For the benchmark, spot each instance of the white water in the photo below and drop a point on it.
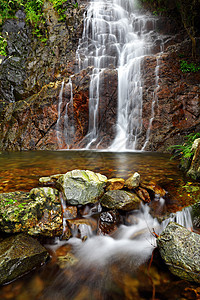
(155, 97)
(65, 128)
(135, 242)
(115, 35)
(60, 101)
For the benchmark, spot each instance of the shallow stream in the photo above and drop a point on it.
(104, 267)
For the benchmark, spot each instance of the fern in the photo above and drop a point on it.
(184, 151)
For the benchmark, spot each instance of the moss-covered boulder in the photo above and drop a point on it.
(18, 255)
(37, 213)
(81, 186)
(120, 199)
(180, 249)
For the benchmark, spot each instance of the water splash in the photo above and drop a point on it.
(136, 241)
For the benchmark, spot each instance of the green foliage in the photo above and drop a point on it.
(188, 67)
(3, 44)
(185, 151)
(61, 5)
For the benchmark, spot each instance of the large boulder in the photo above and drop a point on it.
(82, 186)
(37, 213)
(120, 199)
(180, 249)
(18, 255)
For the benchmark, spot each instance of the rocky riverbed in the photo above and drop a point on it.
(81, 203)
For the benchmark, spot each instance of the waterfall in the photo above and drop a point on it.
(116, 36)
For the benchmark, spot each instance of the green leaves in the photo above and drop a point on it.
(188, 67)
(3, 44)
(185, 150)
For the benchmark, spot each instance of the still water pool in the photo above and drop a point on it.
(103, 267)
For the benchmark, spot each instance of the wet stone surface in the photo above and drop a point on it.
(18, 255)
(180, 249)
(37, 213)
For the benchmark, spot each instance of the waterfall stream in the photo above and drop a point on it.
(117, 36)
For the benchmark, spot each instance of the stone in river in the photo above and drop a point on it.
(133, 181)
(180, 249)
(82, 186)
(36, 213)
(115, 184)
(120, 199)
(19, 254)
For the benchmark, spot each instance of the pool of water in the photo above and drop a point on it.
(122, 274)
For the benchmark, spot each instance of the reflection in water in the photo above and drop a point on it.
(21, 170)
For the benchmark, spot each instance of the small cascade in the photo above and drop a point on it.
(181, 217)
(136, 241)
(65, 125)
(58, 132)
(155, 96)
(69, 122)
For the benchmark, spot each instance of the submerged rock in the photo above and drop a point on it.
(143, 194)
(82, 186)
(18, 255)
(154, 187)
(120, 199)
(37, 213)
(180, 249)
(115, 184)
(49, 181)
(133, 181)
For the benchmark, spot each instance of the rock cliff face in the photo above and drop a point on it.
(176, 97)
(33, 109)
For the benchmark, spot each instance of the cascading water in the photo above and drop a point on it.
(116, 36)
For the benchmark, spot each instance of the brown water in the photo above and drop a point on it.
(119, 278)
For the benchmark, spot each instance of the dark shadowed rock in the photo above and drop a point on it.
(143, 194)
(180, 249)
(18, 255)
(153, 187)
(120, 199)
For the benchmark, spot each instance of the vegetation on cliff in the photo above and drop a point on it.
(34, 15)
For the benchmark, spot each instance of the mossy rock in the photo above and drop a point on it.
(36, 213)
(81, 186)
